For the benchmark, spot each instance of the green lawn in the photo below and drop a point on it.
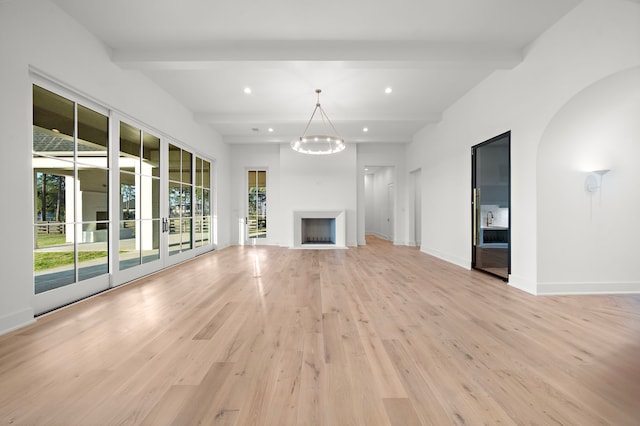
(48, 240)
(52, 259)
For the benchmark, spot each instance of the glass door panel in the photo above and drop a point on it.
(256, 222)
(139, 197)
(70, 162)
(491, 206)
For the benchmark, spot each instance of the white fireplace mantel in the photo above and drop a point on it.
(341, 229)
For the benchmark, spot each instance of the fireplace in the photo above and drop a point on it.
(319, 229)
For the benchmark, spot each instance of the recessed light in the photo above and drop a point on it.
(270, 129)
(247, 90)
(366, 170)
(388, 90)
(365, 129)
(55, 130)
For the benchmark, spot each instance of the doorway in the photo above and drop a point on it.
(491, 205)
(256, 196)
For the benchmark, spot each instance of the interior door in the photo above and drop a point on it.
(256, 207)
(491, 203)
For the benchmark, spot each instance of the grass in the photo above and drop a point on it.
(52, 259)
(48, 240)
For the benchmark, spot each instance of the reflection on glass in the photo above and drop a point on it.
(175, 195)
(129, 250)
(150, 240)
(174, 236)
(198, 202)
(53, 191)
(127, 196)
(174, 163)
(186, 234)
(186, 166)
(206, 206)
(93, 251)
(257, 204)
(53, 256)
(186, 200)
(206, 232)
(197, 232)
(93, 137)
(93, 188)
(149, 193)
(150, 155)
(129, 141)
(206, 174)
(53, 123)
(198, 181)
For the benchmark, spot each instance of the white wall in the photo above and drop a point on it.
(38, 34)
(318, 182)
(596, 39)
(385, 155)
(588, 242)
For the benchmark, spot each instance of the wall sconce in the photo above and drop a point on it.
(594, 180)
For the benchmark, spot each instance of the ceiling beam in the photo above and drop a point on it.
(218, 119)
(378, 54)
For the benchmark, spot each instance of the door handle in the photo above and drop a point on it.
(474, 203)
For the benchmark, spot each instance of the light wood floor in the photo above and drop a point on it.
(378, 335)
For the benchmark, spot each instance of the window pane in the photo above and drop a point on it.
(206, 174)
(206, 205)
(198, 171)
(129, 141)
(150, 240)
(93, 251)
(198, 232)
(53, 118)
(53, 189)
(206, 233)
(94, 196)
(186, 200)
(127, 196)
(186, 234)
(198, 206)
(174, 163)
(175, 196)
(129, 249)
(93, 137)
(150, 155)
(149, 197)
(53, 257)
(186, 166)
(174, 236)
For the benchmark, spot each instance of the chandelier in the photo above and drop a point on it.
(329, 143)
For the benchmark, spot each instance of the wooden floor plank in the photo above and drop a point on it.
(374, 335)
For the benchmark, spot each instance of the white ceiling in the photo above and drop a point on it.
(205, 52)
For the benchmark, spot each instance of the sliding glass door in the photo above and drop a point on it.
(112, 199)
(70, 164)
(491, 200)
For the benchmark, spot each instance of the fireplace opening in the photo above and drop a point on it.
(318, 230)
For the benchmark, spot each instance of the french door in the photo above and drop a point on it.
(113, 200)
(256, 207)
(491, 203)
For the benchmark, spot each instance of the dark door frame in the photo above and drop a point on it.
(475, 226)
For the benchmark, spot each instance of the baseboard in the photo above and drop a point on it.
(16, 320)
(567, 288)
(523, 284)
(463, 263)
